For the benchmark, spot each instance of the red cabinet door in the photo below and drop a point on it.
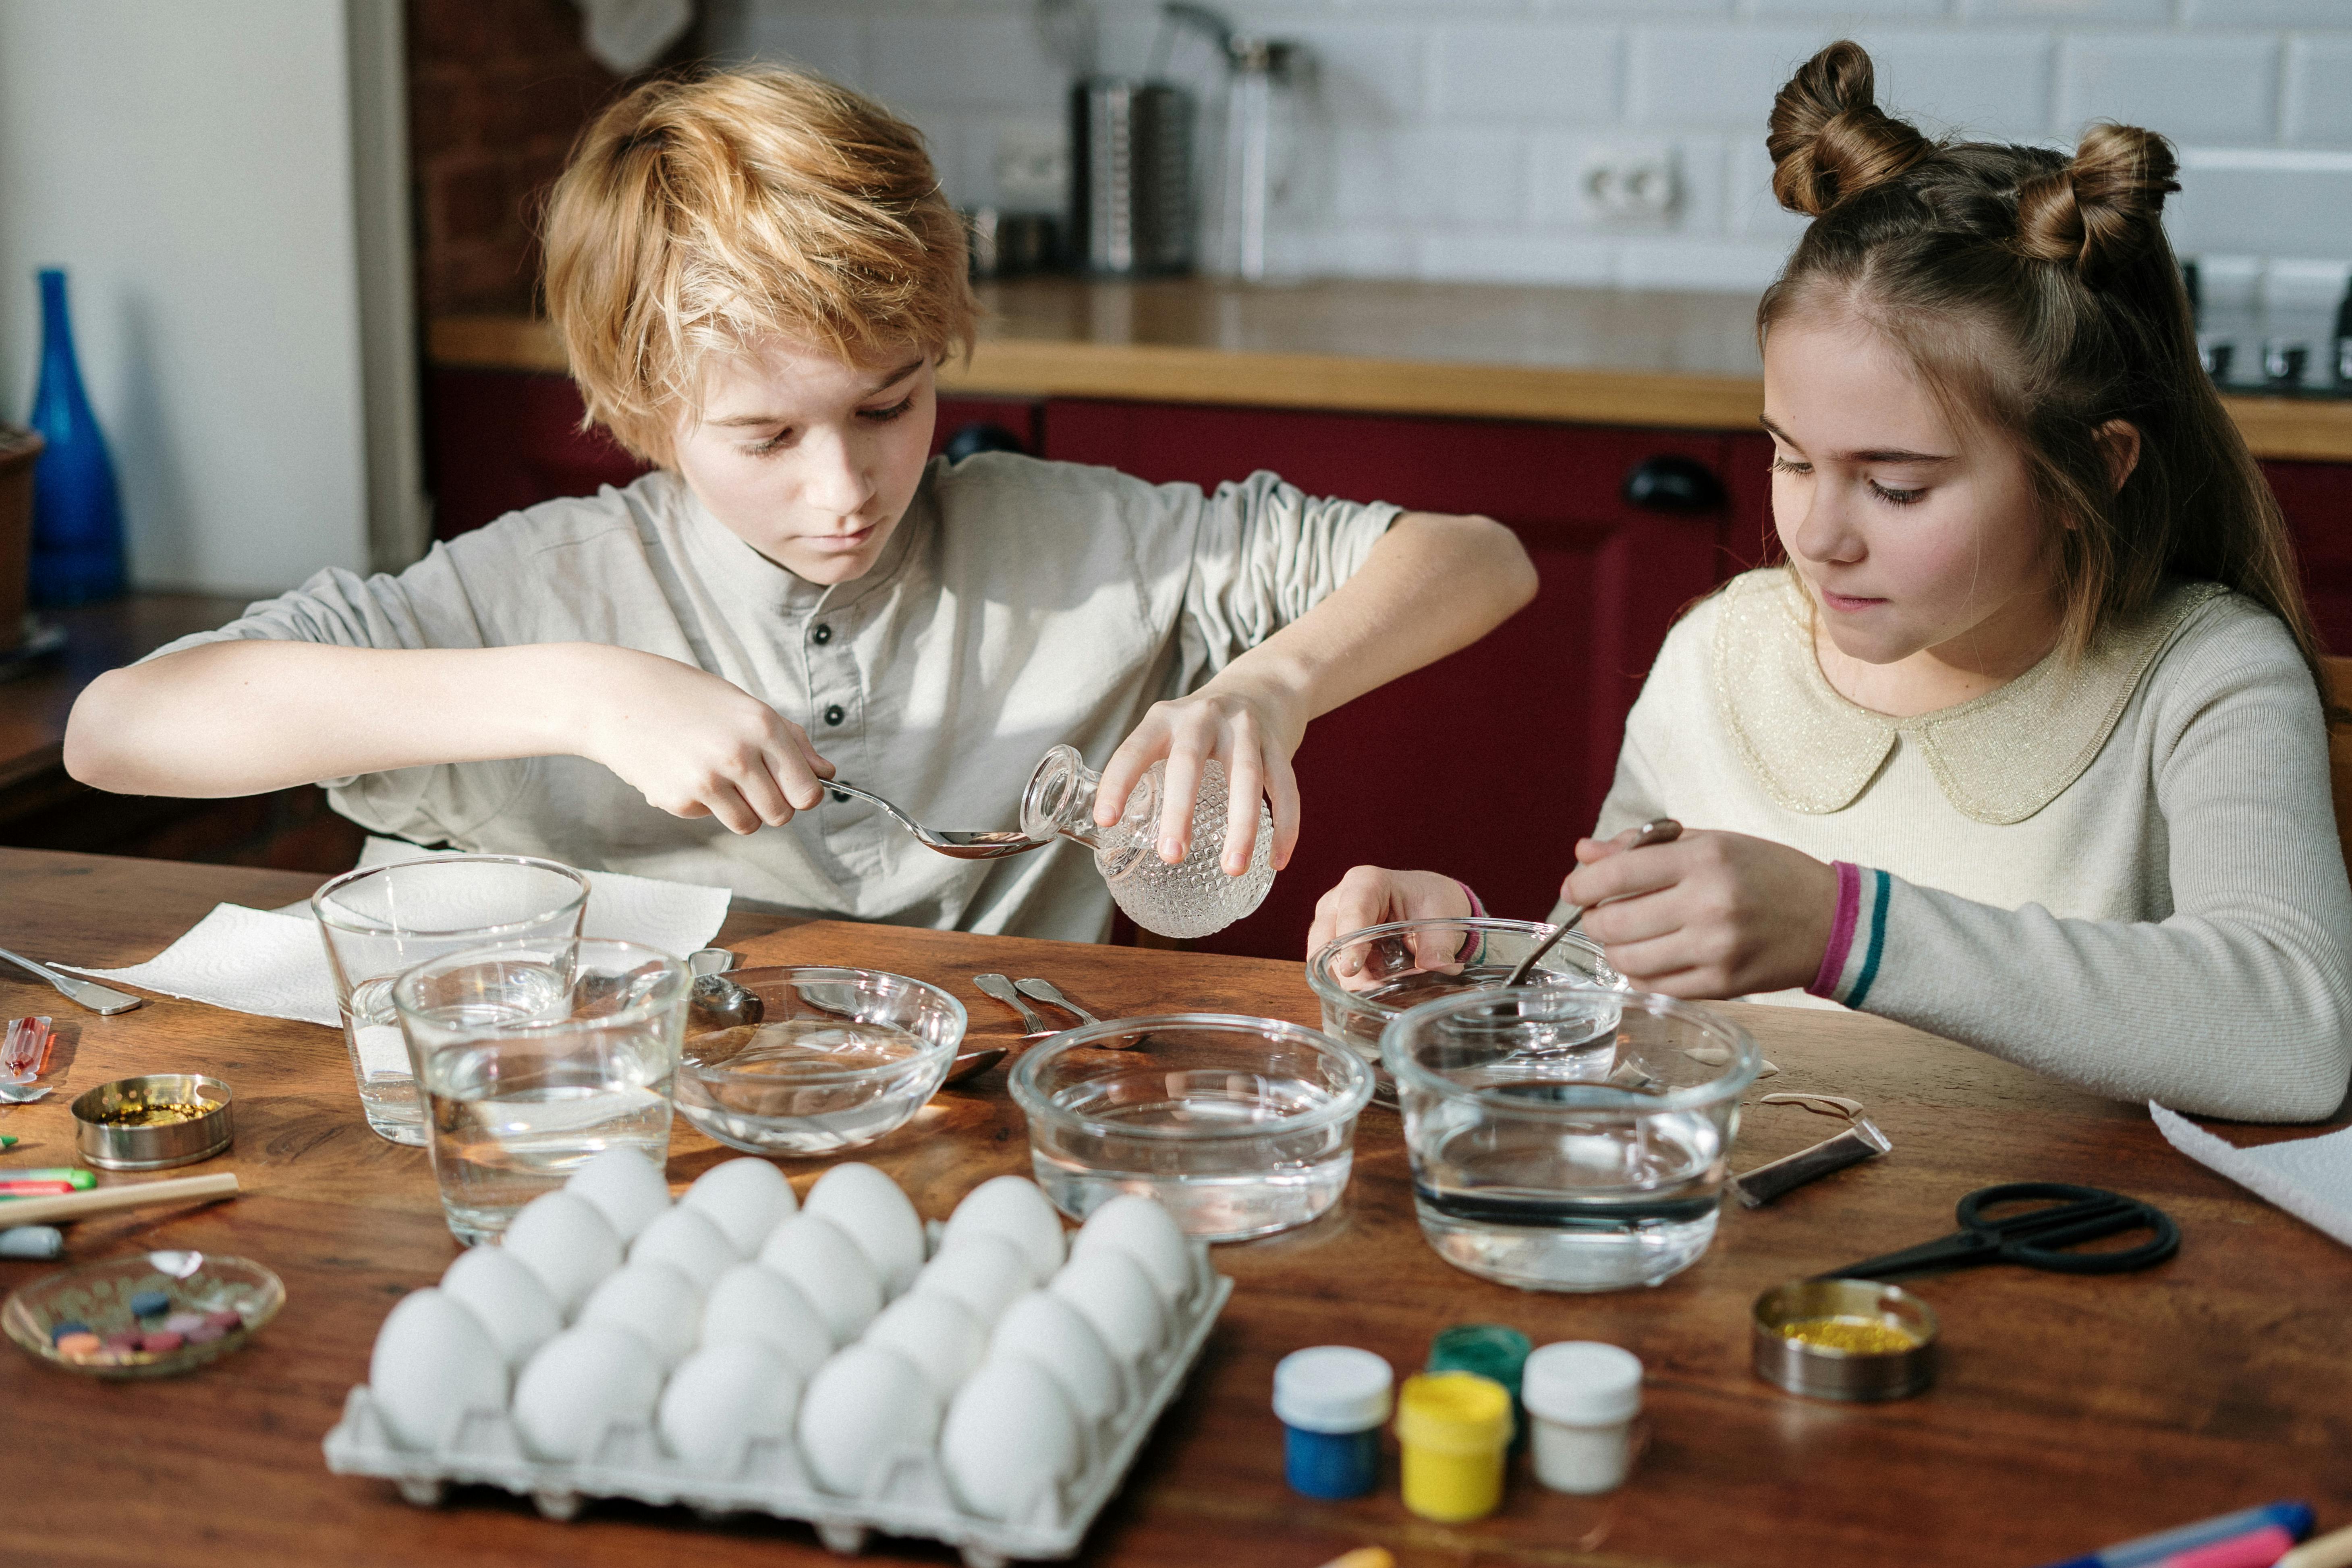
(2317, 500)
(1489, 763)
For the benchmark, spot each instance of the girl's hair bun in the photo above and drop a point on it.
(2104, 207)
(1829, 138)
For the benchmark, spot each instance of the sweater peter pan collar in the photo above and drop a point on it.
(1999, 758)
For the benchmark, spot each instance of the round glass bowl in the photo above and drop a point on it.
(1367, 977)
(838, 1058)
(112, 1300)
(1569, 1136)
(1240, 1126)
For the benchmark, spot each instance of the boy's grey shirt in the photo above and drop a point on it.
(1019, 605)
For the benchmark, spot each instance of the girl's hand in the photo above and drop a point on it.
(1370, 896)
(1252, 729)
(1707, 916)
(695, 744)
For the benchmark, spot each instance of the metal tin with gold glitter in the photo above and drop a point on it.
(1864, 1309)
(131, 1125)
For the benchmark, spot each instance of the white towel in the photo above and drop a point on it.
(273, 962)
(2311, 1178)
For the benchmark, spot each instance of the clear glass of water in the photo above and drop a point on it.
(1240, 1126)
(381, 919)
(535, 1061)
(1365, 978)
(1569, 1136)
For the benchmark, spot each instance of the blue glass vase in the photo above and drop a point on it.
(77, 554)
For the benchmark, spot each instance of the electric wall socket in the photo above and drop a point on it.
(1033, 167)
(1628, 185)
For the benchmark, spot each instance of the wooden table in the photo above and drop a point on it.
(2071, 1412)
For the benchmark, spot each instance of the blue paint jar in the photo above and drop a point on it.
(1332, 1401)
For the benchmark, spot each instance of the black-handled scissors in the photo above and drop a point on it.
(2036, 1238)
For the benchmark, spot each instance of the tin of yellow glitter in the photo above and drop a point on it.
(1843, 1339)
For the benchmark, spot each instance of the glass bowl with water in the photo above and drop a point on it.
(1569, 1136)
(1240, 1126)
(1365, 978)
(838, 1058)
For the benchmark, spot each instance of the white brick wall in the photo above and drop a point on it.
(1446, 139)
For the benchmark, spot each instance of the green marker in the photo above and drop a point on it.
(7, 1141)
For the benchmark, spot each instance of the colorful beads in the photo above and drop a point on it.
(150, 1304)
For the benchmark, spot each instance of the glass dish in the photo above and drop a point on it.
(379, 921)
(99, 1295)
(536, 1061)
(1407, 963)
(1240, 1126)
(1569, 1136)
(847, 1056)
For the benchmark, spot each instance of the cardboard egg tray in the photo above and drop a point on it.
(908, 1498)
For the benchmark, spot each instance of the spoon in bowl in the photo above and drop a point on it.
(1665, 830)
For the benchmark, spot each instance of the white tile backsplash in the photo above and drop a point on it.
(1449, 139)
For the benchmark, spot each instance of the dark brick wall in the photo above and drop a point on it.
(497, 90)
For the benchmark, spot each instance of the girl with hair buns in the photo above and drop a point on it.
(2024, 744)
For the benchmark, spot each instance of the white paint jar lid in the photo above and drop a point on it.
(1583, 1382)
(1332, 1388)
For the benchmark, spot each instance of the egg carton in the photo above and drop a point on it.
(909, 1496)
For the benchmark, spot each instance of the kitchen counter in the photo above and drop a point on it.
(1683, 360)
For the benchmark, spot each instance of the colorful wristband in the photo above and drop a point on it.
(1857, 936)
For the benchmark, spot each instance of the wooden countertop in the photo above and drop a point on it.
(2072, 1411)
(1582, 355)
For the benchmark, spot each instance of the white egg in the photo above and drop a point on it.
(984, 1272)
(1044, 1329)
(812, 1254)
(1143, 1229)
(568, 1243)
(583, 1381)
(433, 1362)
(871, 1210)
(934, 1332)
(656, 1301)
(1010, 1435)
(757, 1305)
(864, 1406)
(1017, 1209)
(745, 1198)
(1112, 1292)
(696, 1247)
(509, 1299)
(722, 1397)
(625, 1186)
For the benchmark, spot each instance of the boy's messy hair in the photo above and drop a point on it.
(699, 215)
(2037, 291)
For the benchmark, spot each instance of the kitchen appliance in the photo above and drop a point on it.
(1130, 177)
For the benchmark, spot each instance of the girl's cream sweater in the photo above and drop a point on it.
(2122, 872)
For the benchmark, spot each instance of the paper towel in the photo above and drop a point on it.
(273, 962)
(2311, 1178)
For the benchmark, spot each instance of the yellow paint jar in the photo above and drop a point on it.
(1453, 1427)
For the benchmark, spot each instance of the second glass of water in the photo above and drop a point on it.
(534, 1062)
(1569, 1136)
(381, 919)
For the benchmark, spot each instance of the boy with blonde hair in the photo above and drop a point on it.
(756, 278)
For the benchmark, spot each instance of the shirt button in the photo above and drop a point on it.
(840, 797)
(822, 635)
(835, 714)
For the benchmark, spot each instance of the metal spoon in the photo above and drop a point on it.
(1665, 830)
(104, 1000)
(1046, 992)
(972, 1063)
(998, 987)
(957, 845)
